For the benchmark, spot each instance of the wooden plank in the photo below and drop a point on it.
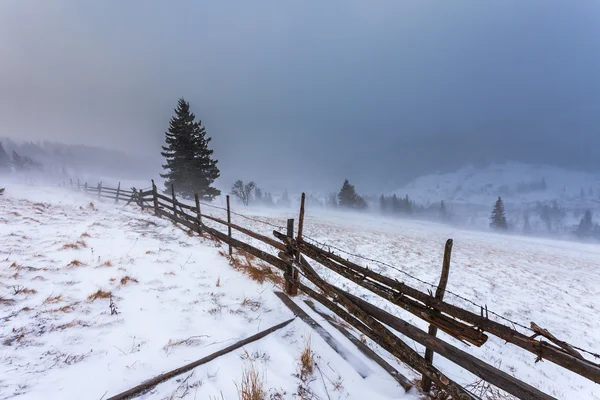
(439, 294)
(163, 197)
(490, 374)
(248, 232)
(147, 385)
(366, 350)
(356, 363)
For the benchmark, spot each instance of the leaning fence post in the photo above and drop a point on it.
(155, 198)
(229, 224)
(439, 294)
(118, 190)
(174, 201)
(198, 213)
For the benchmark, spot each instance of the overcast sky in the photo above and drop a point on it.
(311, 91)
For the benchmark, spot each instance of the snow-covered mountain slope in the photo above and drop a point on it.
(515, 182)
(65, 258)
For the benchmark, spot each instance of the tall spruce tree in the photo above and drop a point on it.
(189, 163)
(347, 195)
(498, 218)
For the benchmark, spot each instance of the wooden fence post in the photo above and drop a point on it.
(78, 185)
(85, 188)
(155, 198)
(198, 213)
(229, 226)
(71, 180)
(99, 190)
(439, 294)
(291, 275)
(174, 201)
(118, 190)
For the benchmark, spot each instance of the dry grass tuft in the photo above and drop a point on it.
(257, 272)
(85, 235)
(218, 284)
(64, 309)
(106, 264)
(28, 291)
(191, 341)
(16, 266)
(53, 299)
(126, 279)
(251, 304)
(77, 245)
(100, 294)
(71, 324)
(252, 386)
(76, 263)
(307, 362)
(170, 273)
(39, 278)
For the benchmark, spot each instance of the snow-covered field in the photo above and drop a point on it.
(555, 284)
(177, 298)
(58, 342)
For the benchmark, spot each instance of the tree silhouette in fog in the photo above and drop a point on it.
(189, 163)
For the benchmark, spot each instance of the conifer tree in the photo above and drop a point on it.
(443, 211)
(498, 218)
(526, 224)
(284, 201)
(189, 163)
(347, 195)
(586, 225)
(18, 161)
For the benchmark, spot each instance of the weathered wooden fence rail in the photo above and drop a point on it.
(378, 325)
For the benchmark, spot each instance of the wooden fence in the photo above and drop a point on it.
(373, 322)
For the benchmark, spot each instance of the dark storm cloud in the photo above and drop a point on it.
(309, 93)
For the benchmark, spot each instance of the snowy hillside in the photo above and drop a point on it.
(65, 258)
(515, 182)
(179, 300)
(471, 192)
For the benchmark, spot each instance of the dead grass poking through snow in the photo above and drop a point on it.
(100, 294)
(246, 263)
(307, 362)
(77, 245)
(53, 299)
(126, 279)
(252, 385)
(106, 264)
(85, 235)
(76, 263)
(191, 341)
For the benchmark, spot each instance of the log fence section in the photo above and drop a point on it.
(371, 321)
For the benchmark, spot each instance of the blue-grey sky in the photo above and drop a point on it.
(311, 92)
